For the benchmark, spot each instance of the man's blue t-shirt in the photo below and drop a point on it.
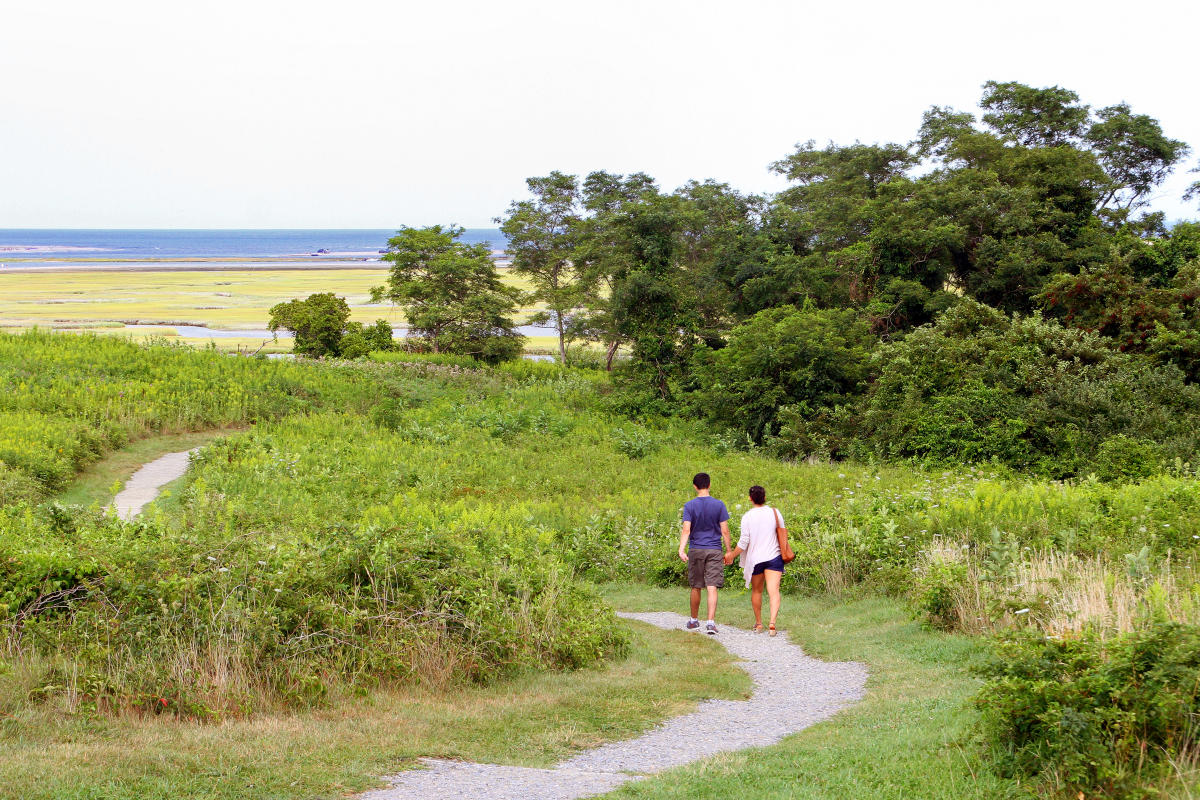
(706, 515)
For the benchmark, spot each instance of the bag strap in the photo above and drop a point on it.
(780, 532)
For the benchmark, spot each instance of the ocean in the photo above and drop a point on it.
(55, 244)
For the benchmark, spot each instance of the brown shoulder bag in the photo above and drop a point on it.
(785, 551)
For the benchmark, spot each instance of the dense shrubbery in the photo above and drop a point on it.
(1027, 393)
(1092, 716)
(782, 361)
(977, 386)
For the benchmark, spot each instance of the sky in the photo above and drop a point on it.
(296, 114)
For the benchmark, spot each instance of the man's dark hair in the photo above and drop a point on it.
(758, 495)
(701, 481)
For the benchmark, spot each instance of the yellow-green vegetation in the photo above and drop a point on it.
(232, 299)
(535, 719)
(226, 299)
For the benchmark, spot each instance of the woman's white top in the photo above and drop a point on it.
(758, 538)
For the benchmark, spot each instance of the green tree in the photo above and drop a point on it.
(810, 359)
(451, 294)
(360, 340)
(541, 239)
(602, 255)
(318, 323)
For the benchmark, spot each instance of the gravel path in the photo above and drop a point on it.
(791, 692)
(145, 484)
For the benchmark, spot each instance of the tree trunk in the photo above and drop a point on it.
(608, 359)
(562, 342)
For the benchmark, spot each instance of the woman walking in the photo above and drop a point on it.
(762, 560)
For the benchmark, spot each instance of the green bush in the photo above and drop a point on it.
(1092, 716)
(1121, 458)
(807, 360)
(934, 594)
(1025, 392)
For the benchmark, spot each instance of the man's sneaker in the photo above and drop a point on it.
(710, 627)
(692, 624)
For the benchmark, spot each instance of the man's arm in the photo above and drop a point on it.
(725, 535)
(683, 539)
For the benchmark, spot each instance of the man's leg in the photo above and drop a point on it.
(695, 602)
(712, 601)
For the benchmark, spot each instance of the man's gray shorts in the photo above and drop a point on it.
(706, 568)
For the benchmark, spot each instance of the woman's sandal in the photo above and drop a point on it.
(758, 627)
(772, 629)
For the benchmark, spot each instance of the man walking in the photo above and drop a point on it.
(702, 545)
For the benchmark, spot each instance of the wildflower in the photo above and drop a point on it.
(1022, 611)
(262, 563)
(223, 569)
(210, 558)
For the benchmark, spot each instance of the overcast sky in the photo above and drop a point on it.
(378, 114)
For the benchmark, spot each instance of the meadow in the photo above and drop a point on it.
(424, 539)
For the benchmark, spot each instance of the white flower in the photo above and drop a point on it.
(210, 558)
(223, 569)
(1022, 611)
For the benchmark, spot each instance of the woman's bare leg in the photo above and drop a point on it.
(756, 587)
(772, 581)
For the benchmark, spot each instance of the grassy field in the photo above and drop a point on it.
(532, 720)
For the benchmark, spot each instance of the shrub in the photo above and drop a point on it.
(934, 594)
(634, 442)
(1091, 716)
(1121, 458)
(806, 359)
(1025, 392)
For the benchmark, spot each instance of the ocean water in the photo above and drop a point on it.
(51, 244)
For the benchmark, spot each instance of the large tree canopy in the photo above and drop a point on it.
(451, 294)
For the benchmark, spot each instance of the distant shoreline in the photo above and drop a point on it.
(200, 265)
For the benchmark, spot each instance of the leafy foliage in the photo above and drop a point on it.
(782, 361)
(1092, 716)
(451, 294)
(1025, 392)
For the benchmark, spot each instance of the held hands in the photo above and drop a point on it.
(729, 558)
